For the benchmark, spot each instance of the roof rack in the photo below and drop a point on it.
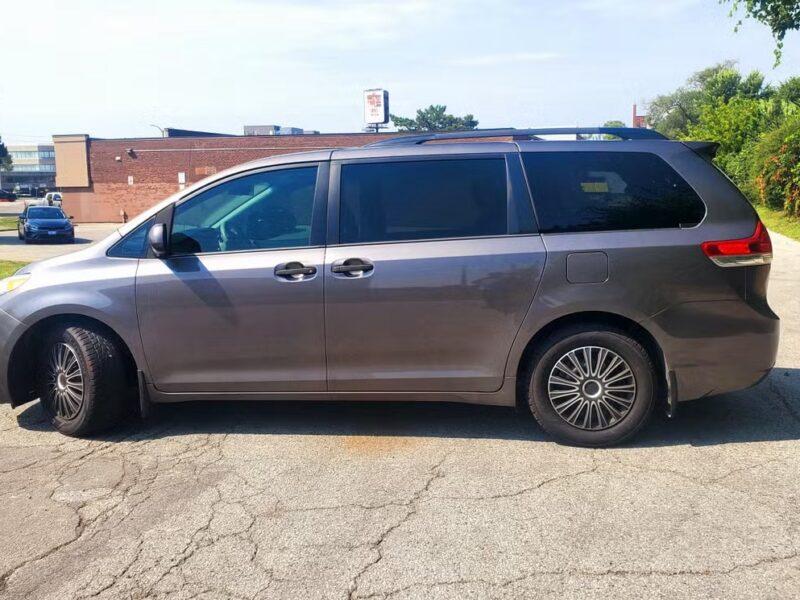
(625, 133)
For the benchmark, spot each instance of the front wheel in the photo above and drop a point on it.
(82, 380)
(592, 386)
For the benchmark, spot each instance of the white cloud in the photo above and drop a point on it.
(491, 60)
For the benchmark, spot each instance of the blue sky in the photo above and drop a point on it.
(111, 68)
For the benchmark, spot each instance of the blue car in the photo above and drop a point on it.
(37, 223)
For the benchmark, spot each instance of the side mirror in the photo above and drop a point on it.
(157, 237)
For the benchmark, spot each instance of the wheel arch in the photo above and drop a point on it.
(22, 371)
(588, 318)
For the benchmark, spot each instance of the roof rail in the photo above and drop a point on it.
(625, 133)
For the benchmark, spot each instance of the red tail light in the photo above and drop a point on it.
(754, 250)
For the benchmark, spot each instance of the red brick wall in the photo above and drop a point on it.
(154, 164)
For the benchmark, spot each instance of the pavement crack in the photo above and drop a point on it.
(434, 474)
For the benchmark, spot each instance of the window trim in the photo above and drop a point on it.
(516, 192)
(317, 238)
(669, 165)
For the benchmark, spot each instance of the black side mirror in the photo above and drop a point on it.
(157, 237)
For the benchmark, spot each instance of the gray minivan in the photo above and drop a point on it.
(586, 280)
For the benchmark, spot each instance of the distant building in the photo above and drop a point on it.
(276, 130)
(638, 120)
(34, 168)
(102, 179)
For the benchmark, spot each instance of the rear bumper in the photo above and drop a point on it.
(717, 346)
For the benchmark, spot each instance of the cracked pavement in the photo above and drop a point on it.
(366, 500)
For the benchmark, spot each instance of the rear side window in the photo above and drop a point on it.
(415, 200)
(607, 191)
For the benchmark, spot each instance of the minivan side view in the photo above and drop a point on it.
(585, 280)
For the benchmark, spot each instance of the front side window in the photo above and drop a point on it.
(133, 245)
(263, 211)
(415, 200)
(608, 191)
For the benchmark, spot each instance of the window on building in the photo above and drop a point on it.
(414, 200)
(607, 191)
(262, 211)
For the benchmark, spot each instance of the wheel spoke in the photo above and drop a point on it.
(64, 384)
(591, 387)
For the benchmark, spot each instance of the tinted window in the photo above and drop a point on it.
(412, 200)
(133, 245)
(46, 213)
(602, 191)
(256, 212)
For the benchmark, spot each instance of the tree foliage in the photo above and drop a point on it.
(675, 113)
(780, 16)
(434, 118)
(5, 158)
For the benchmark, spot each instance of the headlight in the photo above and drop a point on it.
(32, 227)
(9, 284)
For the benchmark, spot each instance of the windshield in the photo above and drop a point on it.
(46, 212)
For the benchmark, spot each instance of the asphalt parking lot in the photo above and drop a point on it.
(411, 501)
(12, 248)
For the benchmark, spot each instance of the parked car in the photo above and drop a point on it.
(49, 223)
(52, 199)
(7, 196)
(587, 281)
(46, 199)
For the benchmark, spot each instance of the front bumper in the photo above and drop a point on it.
(10, 332)
(50, 235)
(716, 347)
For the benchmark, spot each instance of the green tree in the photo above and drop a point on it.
(779, 15)
(675, 113)
(6, 163)
(434, 118)
(613, 123)
(789, 90)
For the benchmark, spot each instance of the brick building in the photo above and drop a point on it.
(106, 180)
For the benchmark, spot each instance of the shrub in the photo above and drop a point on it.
(776, 168)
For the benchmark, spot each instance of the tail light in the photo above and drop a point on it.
(746, 252)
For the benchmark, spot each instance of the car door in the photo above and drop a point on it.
(432, 264)
(237, 304)
(23, 216)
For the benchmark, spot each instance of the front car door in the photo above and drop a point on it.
(432, 264)
(237, 305)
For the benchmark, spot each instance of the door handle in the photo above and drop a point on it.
(294, 269)
(353, 266)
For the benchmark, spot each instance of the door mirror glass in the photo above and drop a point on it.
(157, 237)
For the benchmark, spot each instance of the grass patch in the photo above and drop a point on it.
(777, 221)
(9, 267)
(8, 223)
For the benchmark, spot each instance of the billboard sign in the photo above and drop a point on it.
(376, 107)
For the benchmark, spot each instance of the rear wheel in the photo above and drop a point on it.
(82, 381)
(591, 386)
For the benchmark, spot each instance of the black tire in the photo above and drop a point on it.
(642, 396)
(104, 395)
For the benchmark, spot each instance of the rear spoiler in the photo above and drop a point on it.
(707, 150)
